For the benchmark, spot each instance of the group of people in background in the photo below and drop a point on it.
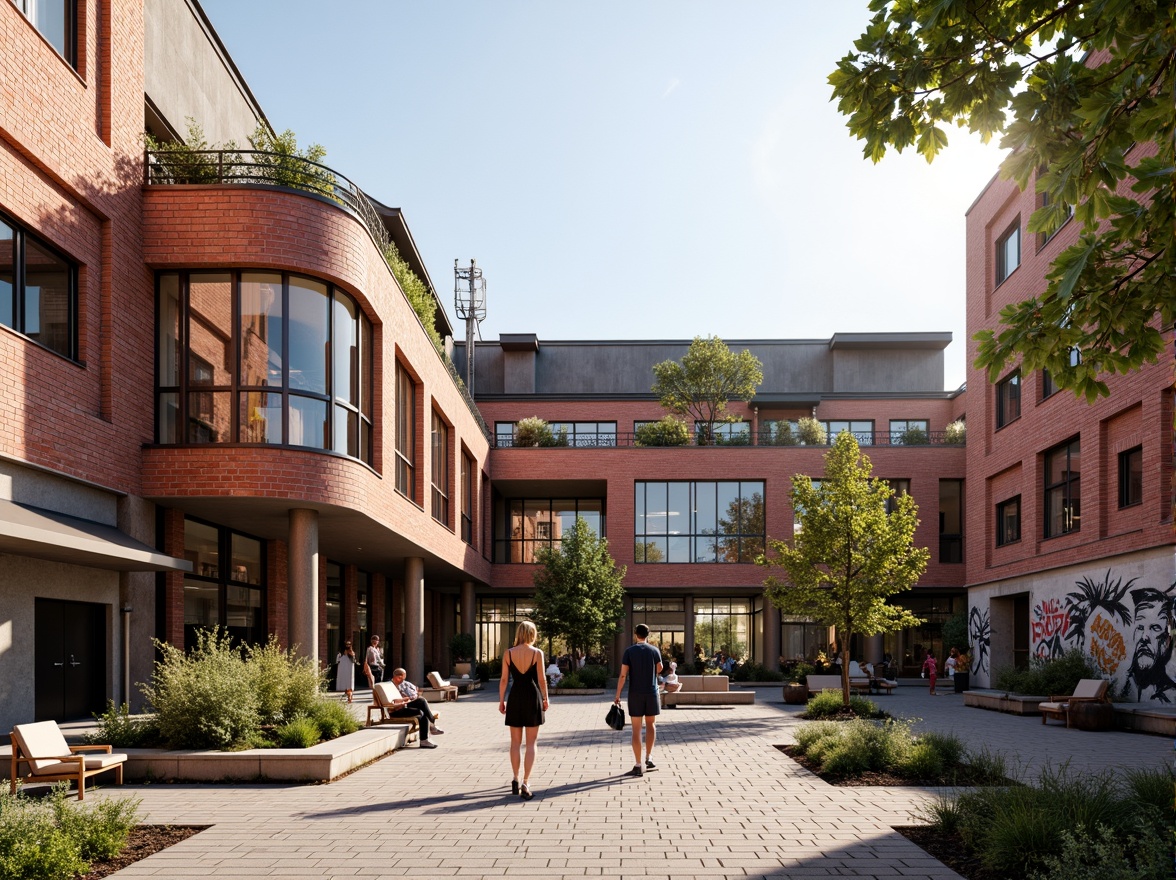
(346, 662)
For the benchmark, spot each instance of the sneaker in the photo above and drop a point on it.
(649, 765)
(638, 770)
(425, 744)
(436, 729)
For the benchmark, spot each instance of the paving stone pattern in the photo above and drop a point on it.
(724, 801)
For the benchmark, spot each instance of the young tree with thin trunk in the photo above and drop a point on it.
(707, 378)
(849, 554)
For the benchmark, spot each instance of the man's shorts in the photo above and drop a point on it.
(641, 705)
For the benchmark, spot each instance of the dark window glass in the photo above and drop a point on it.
(1008, 252)
(38, 291)
(262, 329)
(951, 521)
(7, 275)
(227, 585)
(1008, 522)
(405, 434)
(719, 521)
(440, 470)
(309, 335)
(1063, 501)
(467, 499)
(1131, 477)
(863, 431)
(1008, 399)
(524, 525)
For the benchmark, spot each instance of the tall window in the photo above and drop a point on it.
(951, 521)
(467, 499)
(1131, 477)
(900, 487)
(440, 470)
(226, 586)
(1008, 522)
(405, 434)
(863, 431)
(523, 525)
(1063, 500)
(262, 357)
(909, 432)
(1008, 399)
(1008, 251)
(699, 521)
(38, 291)
(55, 20)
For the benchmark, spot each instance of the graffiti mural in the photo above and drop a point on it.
(980, 637)
(1090, 597)
(1048, 627)
(1151, 671)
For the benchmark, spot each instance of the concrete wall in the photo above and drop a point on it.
(187, 73)
(1108, 608)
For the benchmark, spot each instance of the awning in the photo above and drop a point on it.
(45, 534)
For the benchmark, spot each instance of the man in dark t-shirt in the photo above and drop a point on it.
(641, 664)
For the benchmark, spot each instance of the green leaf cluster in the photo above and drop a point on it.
(708, 377)
(416, 292)
(849, 554)
(667, 431)
(579, 592)
(1083, 93)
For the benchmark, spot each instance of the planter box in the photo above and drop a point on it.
(999, 701)
(320, 763)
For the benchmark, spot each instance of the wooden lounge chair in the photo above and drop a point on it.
(1088, 690)
(386, 700)
(50, 758)
(446, 690)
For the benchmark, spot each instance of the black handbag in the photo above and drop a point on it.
(615, 717)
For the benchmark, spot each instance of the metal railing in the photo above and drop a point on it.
(630, 440)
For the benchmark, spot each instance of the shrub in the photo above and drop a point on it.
(799, 671)
(811, 432)
(101, 830)
(923, 761)
(781, 436)
(807, 734)
(956, 434)
(490, 670)
(534, 431)
(1106, 855)
(830, 702)
(332, 718)
(755, 672)
(572, 681)
(1046, 676)
(204, 699)
(285, 683)
(948, 746)
(913, 435)
(192, 160)
(299, 733)
(462, 647)
(1152, 791)
(593, 676)
(669, 431)
(119, 728)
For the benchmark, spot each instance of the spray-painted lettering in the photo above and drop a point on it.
(1051, 620)
(1106, 645)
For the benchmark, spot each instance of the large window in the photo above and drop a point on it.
(38, 291)
(405, 433)
(498, 617)
(909, 432)
(56, 22)
(723, 625)
(699, 521)
(226, 586)
(1008, 251)
(587, 433)
(899, 487)
(723, 434)
(1131, 477)
(863, 431)
(1008, 522)
(1063, 500)
(951, 521)
(1008, 399)
(523, 525)
(440, 470)
(262, 358)
(467, 499)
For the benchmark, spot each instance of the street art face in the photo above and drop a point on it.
(1151, 660)
(980, 636)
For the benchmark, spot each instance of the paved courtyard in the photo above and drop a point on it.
(725, 802)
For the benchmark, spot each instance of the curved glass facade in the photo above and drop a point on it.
(262, 358)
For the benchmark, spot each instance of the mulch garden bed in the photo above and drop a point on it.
(144, 840)
(949, 849)
(959, 776)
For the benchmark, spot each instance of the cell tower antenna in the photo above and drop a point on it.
(469, 299)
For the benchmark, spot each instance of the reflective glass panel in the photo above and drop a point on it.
(346, 431)
(243, 614)
(7, 276)
(47, 298)
(210, 417)
(307, 422)
(308, 335)
(261, 417)
(169, 417)
(169, 331)
(246, 563)
(345, 346)
(678, 513)
(210, 330)
(262, 329)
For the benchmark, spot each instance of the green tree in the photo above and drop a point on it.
(849, 554)
(578, 589)
(708, 376)
(1082, 91)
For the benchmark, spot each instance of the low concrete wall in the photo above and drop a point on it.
(320, 763)
(1014, 704)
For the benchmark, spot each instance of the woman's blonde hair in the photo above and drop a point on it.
(526, 633)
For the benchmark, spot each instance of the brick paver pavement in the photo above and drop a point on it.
(725, 802)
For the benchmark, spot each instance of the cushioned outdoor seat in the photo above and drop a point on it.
(446, 690)
(50, 758)
(1088, 690)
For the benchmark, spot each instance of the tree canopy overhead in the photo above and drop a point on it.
(1083, 93)
(708, 376)
(849, 554)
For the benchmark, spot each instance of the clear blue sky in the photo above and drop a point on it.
(625, 170)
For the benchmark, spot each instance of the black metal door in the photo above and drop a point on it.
(69, 666)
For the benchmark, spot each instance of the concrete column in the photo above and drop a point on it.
(303, 574)
(873, 649)
(469, 607)
(688, 639)
(624, 637)
(414, 618)
(771, 636)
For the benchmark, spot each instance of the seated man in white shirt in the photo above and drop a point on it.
(409, 691)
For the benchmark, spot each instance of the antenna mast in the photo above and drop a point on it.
(469, 299)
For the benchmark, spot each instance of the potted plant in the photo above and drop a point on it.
(796, 691)
(811, 432)
(962, 678)
(533, 431)
(956, 433)
(461, 648)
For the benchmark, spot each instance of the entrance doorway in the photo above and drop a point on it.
(69, 659)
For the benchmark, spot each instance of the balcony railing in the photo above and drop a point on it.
(629, 440)
(259, 168)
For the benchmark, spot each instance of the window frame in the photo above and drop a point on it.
(894, 438)
(1131, 480)
(223, 577)
(748, 544)
(1008, 399)
(1005, 537)
(439, 469)
(467, 497)
(18, 321)
(1068, 489)
(863, 435)
(1003, 270)
(69, 50)
(406, 445)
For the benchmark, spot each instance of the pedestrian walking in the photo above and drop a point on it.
(641, 665)
(522, 666)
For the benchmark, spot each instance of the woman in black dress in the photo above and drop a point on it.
(523, 666)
